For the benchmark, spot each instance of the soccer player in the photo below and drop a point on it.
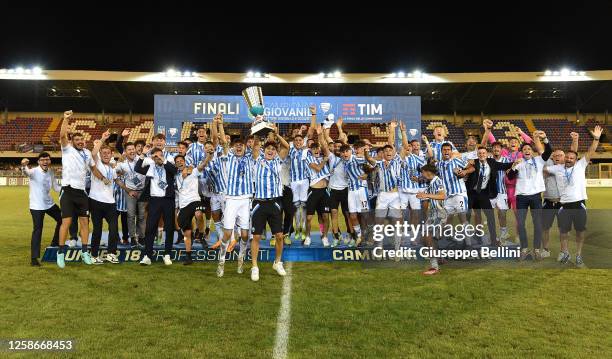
(318, 198)
(217, 175)
(76, 161)
(42, 180)
(529, 188)
(435, 208)
(434, 150)
(412, 161)
(451, 171)
(159, 192)
(501, 200)
(196, 154)
(135, 183)
(102, 201)
(338, 186)
(388, 204)
(239, 192)
(267, 203)
(299, 171)
(358, 204)
(572, 182)
(188, 195)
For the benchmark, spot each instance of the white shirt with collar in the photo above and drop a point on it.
(157, 174)
(41, 183)
(131, 176)
(187, 188)
(99, 191)
(75, 165)
(530, 178)
(571, 181)
(486, 175)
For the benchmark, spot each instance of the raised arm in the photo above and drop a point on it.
(574, 146)
(428, 146)
(342, 137)
(64, 128)
(597, 131)
(139, 168)
(406, 148)
(98, 144)
(391, 132)
(213, 130)
(313, 121)
(487, 124)
(222, 140)
(524, 136)
(322, 141)
(122, 136)
(370, 160)
(537, 141)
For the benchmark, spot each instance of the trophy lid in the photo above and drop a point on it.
(253, 96)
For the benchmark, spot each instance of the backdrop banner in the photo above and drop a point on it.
(172, 110)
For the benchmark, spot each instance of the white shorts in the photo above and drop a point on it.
(237, 212)
(456, 203)
(409, 200)
(358, 201)
(300, 190)
(388, 204)
(500, 202)
(217, 202)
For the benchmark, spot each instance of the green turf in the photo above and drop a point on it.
(341, 310)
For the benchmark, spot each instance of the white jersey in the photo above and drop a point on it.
(133, 179)
(41, 183)
(550, 182)
(530, 176)
(285, 171)
(187, 188)
(75, 165)
(338, 179)
(571, 181)
(100, 191)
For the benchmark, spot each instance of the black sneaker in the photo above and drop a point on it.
(188, 261)
(35, 262)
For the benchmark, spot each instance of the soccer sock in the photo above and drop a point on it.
(433, 262)
(298, 219)
(219, 230)
(223, 251)
(336, 235)
(243, 248)
(357, 230)
(84, 248)
(63, 249)
(321, 228)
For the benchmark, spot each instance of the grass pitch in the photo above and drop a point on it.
(341, 310)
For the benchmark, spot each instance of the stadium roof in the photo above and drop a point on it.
(441, 93)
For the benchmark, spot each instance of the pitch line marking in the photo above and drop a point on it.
(283, 322)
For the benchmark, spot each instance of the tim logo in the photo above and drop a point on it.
(362, 109)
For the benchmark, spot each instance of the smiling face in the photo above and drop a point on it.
(570, 159)
(315, 150)
(527, 152)
(438, 133)
(270, 152)
(416, 147)
(44, 163)
(105, 155)
(471, 143)
(78, 142)
(482, 154)
(209, 148)
(182, 149)
(201, 135)
(130, 152)
(346, 155)
(558, 157)
(159, 142)
(298, 142)
(447, 151)
(158, 157)
(388, 153)
(180, 163)
(514, 144)
(239, 149)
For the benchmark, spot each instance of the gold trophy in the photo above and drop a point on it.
(254, 99)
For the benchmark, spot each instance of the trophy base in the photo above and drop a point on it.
(261, 129)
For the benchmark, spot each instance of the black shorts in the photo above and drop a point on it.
(573, 213)
(74, 202)
(550, 210)
(338, 197)
(266, 211)
(185, 215)
(204, 204)
(317, 200)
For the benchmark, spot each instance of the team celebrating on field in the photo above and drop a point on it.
(244, 186)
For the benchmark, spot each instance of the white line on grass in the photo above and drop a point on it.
(283, 322)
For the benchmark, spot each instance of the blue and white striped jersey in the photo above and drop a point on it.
(268, 182)
(388, 174)
(501, 176)
(217, 174)
(435, 186)
(195, 153)
(436, 148)
(354, 170)
(239, 175)
(446, 170)
(298, 169)
(314, 175)
(411, 166)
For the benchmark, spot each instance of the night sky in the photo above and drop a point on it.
(113, 39)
